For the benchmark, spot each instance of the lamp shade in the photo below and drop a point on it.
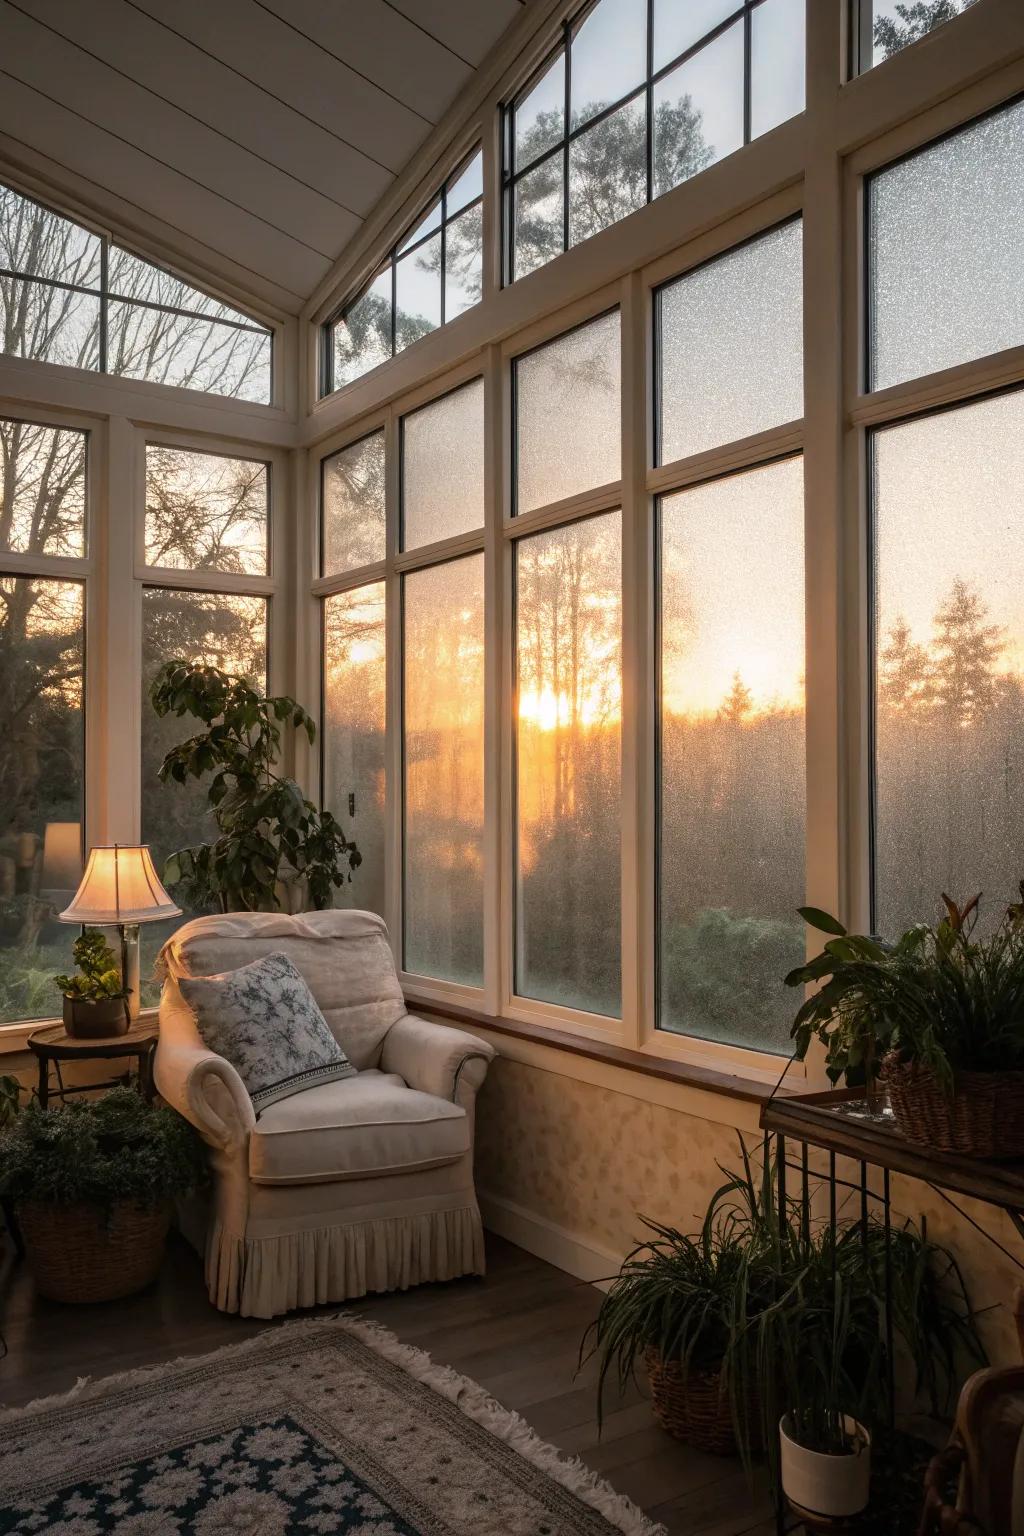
(62, 856)
(120, 885)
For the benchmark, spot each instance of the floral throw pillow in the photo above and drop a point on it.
(264, 1020)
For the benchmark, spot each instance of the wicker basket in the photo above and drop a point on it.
(983, 1117)
(77, 1254)
(696, 1408)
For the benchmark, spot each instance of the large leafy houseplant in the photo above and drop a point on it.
(92, 1184)
(272, 839)
(939, 1010)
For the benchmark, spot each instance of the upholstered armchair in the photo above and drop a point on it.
(360, 1185)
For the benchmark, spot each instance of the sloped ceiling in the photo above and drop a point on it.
(261, 133)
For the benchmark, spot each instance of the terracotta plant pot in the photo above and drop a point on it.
(95, 1021)
(79, 1253)
(983, 1117)
(830, 1487)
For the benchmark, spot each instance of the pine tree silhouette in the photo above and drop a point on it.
(964, 682)
(905, 672)
(738, 702)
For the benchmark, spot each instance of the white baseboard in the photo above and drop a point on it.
(577, 1256)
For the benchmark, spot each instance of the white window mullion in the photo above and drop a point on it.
(497, 706)
(393, 751)
(114, 795)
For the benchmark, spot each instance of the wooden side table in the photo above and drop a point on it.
(52, 1045)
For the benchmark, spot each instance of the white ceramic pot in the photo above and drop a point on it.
(834, 1486)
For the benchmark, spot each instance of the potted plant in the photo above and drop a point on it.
(276, 849)
(91, 1185)
(95, 998)
(678, 1304)
(939, 1014)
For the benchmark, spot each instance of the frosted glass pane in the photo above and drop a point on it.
(362, 339)
(42, 771)
(608, 172)
(946, 252)
(698, 111)
(215, 630)
(42, 489)
(731, 353)
(949, 595)
(540, 115)
(443, 467)
(418, 293)
(732, 756)
(353, 506)
(353, 734)
(896, 23)
(464, 262)
(443, 705)
(206, 512)
(539, 203)
(568, 736)
(777, 63)
(609, 56)
(678, 27)
(572, 380)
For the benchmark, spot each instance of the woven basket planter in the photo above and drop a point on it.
(695, 1408)
(983, 1117)
(77, 1253)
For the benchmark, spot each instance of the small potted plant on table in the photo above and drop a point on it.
(938, 1014)
(92, 1185)
(95, 998)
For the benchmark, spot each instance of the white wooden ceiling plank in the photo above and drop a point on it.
(267, 52)
(166, 63)
(86, 149)
(42, 59)
(383, 45)
(469, 27)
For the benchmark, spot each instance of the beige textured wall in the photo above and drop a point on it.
(589, 1159)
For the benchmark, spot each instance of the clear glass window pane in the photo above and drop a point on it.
(464, 262)
(572, 379)
(430, 221)
(539, 213)
(730, 346)
(132, 278)
(568, 739)
(353, 734)
(539, 116)
(777, 63)
(418, 293)
(678, 28)
(895, 24)
(42, 489)
(362, 338)
(42, 756)
(187, 352)
(49, 325)
(205, 512)
(609, 56)
(946, 251)
(443, 467)
(608, 172)
(732, 756)
(949, 661)
(443, 704)
(466, 187)
(353, 506)
(698, 111)
(211, 629)
(37, 242)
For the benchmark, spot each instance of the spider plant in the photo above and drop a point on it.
(937, 996)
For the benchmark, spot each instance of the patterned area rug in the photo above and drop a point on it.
(329, 1426)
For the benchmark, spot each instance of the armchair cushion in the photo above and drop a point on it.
(370, 1125)
(264, 1020)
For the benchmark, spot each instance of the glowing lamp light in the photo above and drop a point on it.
(120, 888)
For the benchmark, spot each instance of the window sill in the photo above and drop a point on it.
(684, 1074)
(14, 1036)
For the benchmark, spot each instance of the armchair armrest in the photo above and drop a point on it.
(436, 1058)
(197, 1082)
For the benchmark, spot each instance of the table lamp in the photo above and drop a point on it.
(120, 888)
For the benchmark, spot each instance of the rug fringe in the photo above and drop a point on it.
(467, 1395)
